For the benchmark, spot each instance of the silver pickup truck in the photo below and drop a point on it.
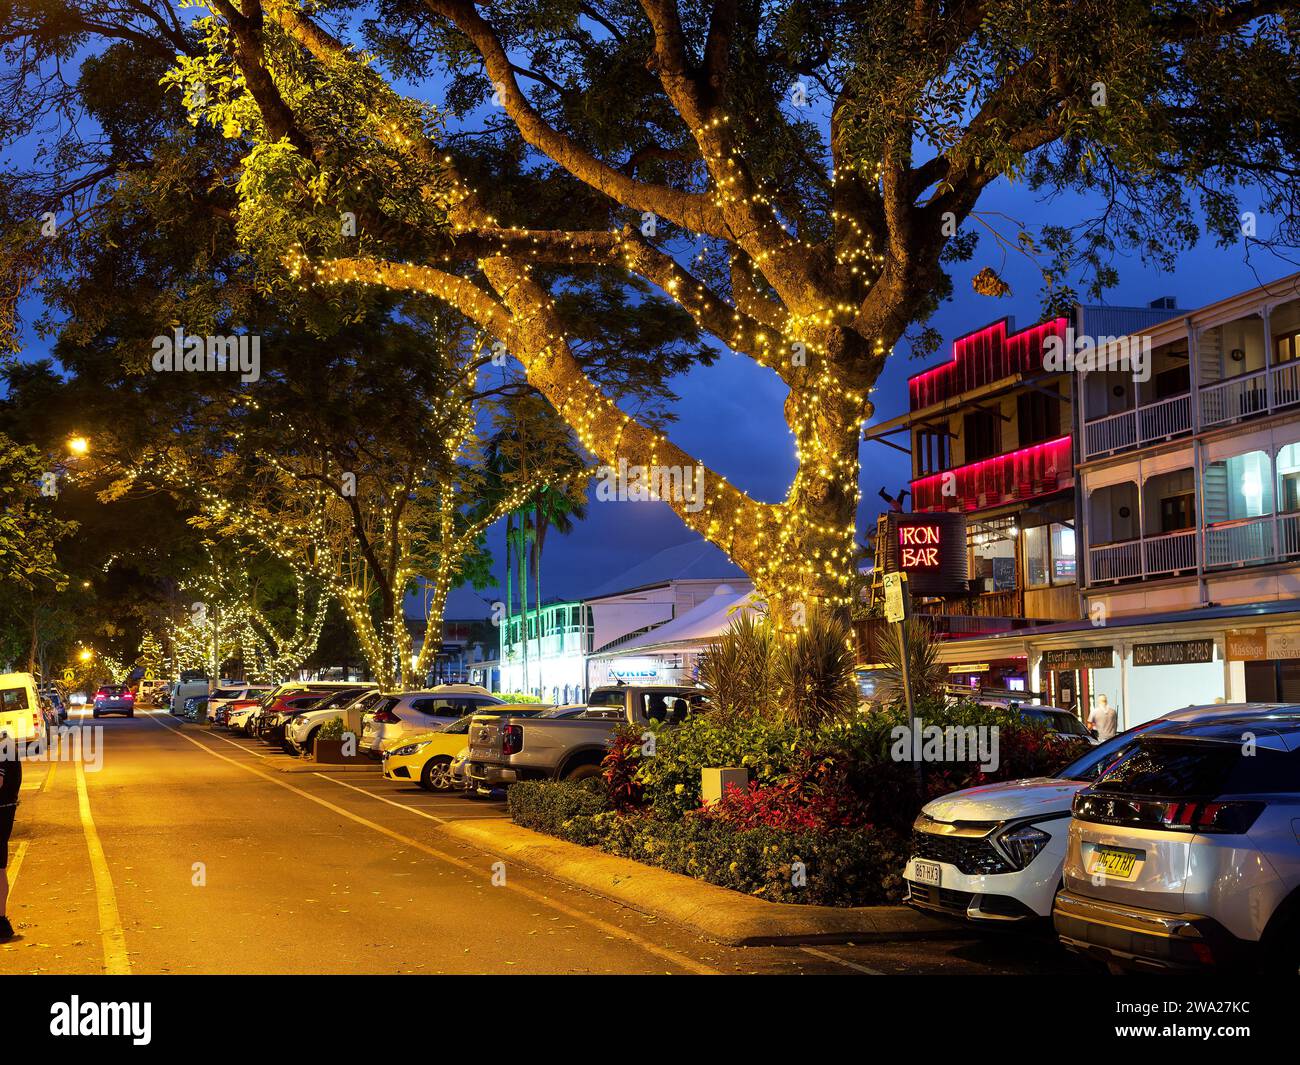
(505, 750)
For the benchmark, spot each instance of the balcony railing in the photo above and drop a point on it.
(1228, 544)
(1237, 398)
(1144, 425)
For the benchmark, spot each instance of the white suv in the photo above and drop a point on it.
(1183, 854)
(301, 729)
(994, 854)
(407, 713)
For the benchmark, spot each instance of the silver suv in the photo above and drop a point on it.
(1185, 853)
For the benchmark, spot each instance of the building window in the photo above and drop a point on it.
(1238, 487)
(1050, 556)
(932, 451)
(993, 566)
(1288, 478)
(981, 436)
(1038, 417)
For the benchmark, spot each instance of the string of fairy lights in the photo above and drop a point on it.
(790, 549)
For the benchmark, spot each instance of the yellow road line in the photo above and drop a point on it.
(672, 956)
(116, 962)
(14, 866)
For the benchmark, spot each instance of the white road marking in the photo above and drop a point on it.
(476, 868)
(827, 956)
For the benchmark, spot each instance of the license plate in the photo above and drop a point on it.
(926, 872)
(1114, 862)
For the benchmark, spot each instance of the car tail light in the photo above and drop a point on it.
(512, 739)
(386, 717)
(101, 693)
(128, 695)
(1197, 815)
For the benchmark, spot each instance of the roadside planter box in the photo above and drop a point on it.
(714, 782)
(331, 752)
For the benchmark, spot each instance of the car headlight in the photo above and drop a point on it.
(409, 749)
(1023, 844)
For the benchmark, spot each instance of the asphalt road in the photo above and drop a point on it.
(186, 851)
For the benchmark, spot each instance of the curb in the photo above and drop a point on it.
(716, 912)
(288, 764)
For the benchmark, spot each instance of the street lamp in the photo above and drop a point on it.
(86, 654)
(78, 445)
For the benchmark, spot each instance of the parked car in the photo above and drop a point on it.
(268, 705)
(114, 699)
(406, 714)
(192, 683)
(288, 706)
(239, 715)
(333, 700)
(21, 718)
(993, 854)
(1183, 853)
(427, 757)
(301, 730)
(57, 699)
(152, 693)
(220, 697)
(507, 749)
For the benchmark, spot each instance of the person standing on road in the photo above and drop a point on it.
(1104, 719)
(11, 779)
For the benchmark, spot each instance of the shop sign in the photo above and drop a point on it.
(1283, 645)
(918, 546)
(1247, 645)
(1175, 653)
(971, 667)
(1079, 658)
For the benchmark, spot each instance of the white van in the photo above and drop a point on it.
(20, 707)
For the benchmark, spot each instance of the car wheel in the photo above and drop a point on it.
(310, 746)
(95, 713)
(130, 713)
(436, 774)
(582, 772)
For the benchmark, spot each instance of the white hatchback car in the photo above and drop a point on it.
(301, 729)
(994, 854)
(406, 713)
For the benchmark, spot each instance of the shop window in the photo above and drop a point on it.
(981, 436)
(1050, 556)
(1038, 417)
(993, 566)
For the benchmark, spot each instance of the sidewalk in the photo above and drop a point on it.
(716, 912)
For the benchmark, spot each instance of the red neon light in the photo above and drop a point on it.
(978, 358)
(918, 547)
(1033, 471)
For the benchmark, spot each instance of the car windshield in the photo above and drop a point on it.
(227, 693)
(1056, 720)
(337, 699)
(607, 697)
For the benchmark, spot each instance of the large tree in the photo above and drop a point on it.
(793, 175)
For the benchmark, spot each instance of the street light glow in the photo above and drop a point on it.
(78, 445)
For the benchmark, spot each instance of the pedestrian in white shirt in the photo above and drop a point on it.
(1104, 719)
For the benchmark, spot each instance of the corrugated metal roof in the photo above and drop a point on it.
(1098, 320)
